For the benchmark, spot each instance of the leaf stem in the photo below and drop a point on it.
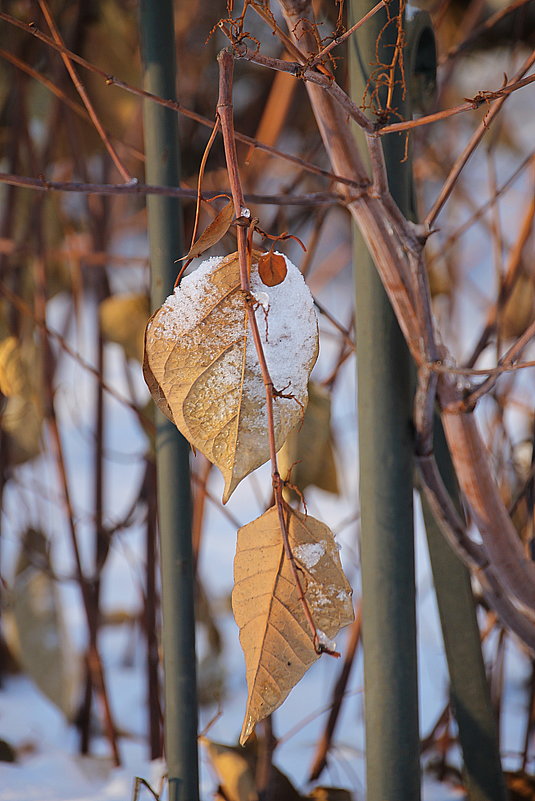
(225, 112)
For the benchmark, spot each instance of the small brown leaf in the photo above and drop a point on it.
(13, 378)
(38, 635)
(202, 368)
(274, 632)
(272, 268)
(22, 415)
(308, 451)
(213, 232)
(234, 770)
(123, 319)
(518, 312)
(330, 794)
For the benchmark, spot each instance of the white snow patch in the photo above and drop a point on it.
(325, 641)
(310, 553)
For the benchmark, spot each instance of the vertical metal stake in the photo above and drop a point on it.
(470, 695)
(385, 447)
(172, 451)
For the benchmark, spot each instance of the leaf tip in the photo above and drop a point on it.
(247, 729)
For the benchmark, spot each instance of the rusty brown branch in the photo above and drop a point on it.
(123, 172)
(225, 112)
(475, 139)
(111, 80)
(43, 185)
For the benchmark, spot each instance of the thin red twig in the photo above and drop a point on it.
(123, 172)
(224, 109)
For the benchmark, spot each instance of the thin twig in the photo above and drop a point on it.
(475, 139)
(324, 744)
(481, 210)
(472, 104)
(508, 358)
(200, 179)
(511, 276)
(224, 109)
(482, 29)
(43, 185)
(339, 39)
(123, 172)
(111, 80)
(312, 76)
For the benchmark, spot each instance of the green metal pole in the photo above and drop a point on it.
(385, 447)
(470, 696)
(172, 450)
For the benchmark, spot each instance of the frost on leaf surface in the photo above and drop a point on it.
(202, 368)
(274, 633)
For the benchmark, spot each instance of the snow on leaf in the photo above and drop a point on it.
(274, 633)
(202, 368)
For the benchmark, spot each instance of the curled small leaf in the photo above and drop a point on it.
(213, 233)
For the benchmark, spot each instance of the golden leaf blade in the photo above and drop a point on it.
(234, 770)
(274, 633)
(519, 309)
(22, 415)
(13, 379)
(213, 232)
(202, 368)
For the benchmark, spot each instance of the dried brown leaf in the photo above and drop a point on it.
(123, 319)
(202, 368)
(214, 232)
(153, 385)
(272, 268)
(234, 770)
(13, 379)
(22, 414)
(38, 635)
(274, 633)
(521, 786)
(308, 451)
(519, 311)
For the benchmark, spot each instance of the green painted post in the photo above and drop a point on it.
(470, 696)
(386, 466)
(469, 688)
(172, 450)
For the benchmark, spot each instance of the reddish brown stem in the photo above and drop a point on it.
(324, 744)
(339, 39)
(224, 109)
(473, 143)
(123, 172)
(153, 659)
(112, 81)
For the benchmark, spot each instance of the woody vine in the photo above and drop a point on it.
(506, 574)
